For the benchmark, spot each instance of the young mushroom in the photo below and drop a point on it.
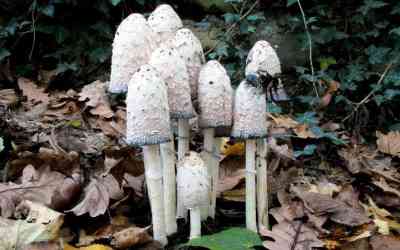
(148, 125)
(193, 186)
(215, 103)
(133, 44)
(190, 49)
(249, 124)
(165, 22)
(173, 70)
(263, 65)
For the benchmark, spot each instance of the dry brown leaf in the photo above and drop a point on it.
(8, 97)
(382, 184)
(389, 143)
(136, 183)
(356, 156)
(130, 237)
(94, 94)
(303, 131)
(338, 211)
(229, 148)
(97, 196)
(288, 212)
(115, 127)
(284, 121)
(235, 195)
(231, 173)
(384, 242)
(281, 150)
(34, 94)
(291, 236)
(50, 245)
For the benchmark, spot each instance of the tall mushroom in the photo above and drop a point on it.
(190, 49)
(249, 124)
(133, 44)
(173, 70)
(165, 22)
(263, 65)
(148, 125)
(215, 103)
(193, 186)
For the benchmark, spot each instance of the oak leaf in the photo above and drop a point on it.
(389, 143)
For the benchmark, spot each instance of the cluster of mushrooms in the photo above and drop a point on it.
(161, 66)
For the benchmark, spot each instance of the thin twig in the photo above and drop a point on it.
(309, 47)
(33, 30)
(367, 97)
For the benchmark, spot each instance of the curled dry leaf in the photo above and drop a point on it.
(291, 236)
(231, 173)
(130, 237)
(281, 150)
(384, 242)
(97, 196)
(33, 93)
(94, 94)
(382, 184)
(389, 143)
(356, 156)
(8, 97)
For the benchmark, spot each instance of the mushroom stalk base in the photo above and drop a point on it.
(251, 220)
(168, 162)
(195, 222)
(209, 161)
(153, 173)
(215, 176)
(262, 185)
(183, 148)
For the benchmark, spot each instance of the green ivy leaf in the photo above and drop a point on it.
(377, 55)
(307, 118)
(325, 62)
(273, 108)
(307, 151)
(47, 10)
(231, 17)
(290, 2)
(231, 239)
(371, 4)
(395, 31)
(4, 53)
(115, 2)
(1, 144)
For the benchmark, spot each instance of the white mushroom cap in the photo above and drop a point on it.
(133, 43)
(172, 68)
(215, 96)
(192, 181)
(165, 22)
(148, 120)
(190, 49)
(263, 59)
(249, 112)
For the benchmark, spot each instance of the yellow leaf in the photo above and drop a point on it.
(236, 149)
(91, 247)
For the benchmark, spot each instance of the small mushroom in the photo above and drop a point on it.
(190, 49)
(262, 63)
(173, 70)
(148, 125)
(132, 47)
(215, 101)
(249, 115)
(165, 22)
(193, 184)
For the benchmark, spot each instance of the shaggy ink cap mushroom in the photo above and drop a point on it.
(190, 49)
(249, 112)
(148, 119)
(215, 96)
(192, 181)
(133, 44)
(262, 61)
(164, 21)
(172, 68)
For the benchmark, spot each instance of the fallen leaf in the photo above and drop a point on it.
(97, 196)
(34, 94)
(95, 97)
(281, 150)
(382, 184)
(389, 143)
(384, 242)
(283, 121)
(231, 173)
(303, 131)
(91, 247)
(8, 97)
(356, 156)
(291, 236)
(50, 245)
(130, 237)
(229, 148)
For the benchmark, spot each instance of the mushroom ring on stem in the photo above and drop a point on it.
(193, 186)
(148, 125)
(249, 116)
(215, 101)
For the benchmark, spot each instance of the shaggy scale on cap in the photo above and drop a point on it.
(133, 44)
(165, 22)
(148, 120)
(172, 68)
(215, 96)
(263, 59)
(190, 49)
(192, 181)
(249, 112)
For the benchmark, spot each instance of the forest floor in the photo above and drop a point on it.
(70, 182)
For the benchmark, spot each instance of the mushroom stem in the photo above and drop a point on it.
(183, 137)
(153, 173)
(215, 176)
(168, 163)
(262, 187)
(209, 161)
(183, 148)
(195, 222)
(251, 220)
